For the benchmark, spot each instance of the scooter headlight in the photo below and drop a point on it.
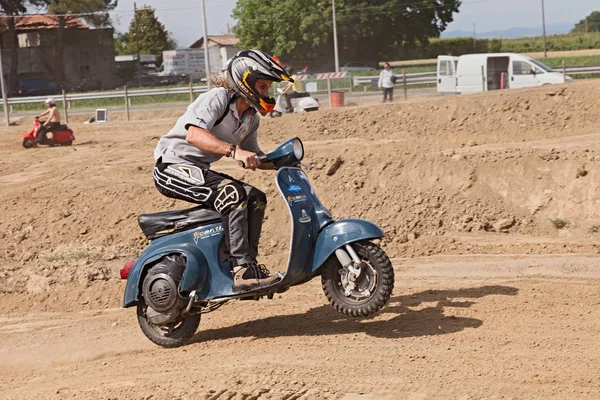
(298, 149)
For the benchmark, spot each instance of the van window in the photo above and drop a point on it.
(445, 68)
(521, 68)
(544, 67)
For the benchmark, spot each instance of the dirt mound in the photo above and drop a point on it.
(504, 172)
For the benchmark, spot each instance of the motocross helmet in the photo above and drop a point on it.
(246, 67)
(50, 100)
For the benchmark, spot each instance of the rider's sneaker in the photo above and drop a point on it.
(251, 276)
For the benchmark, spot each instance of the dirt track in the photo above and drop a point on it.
(492, 300)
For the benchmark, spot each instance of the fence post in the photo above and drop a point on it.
(191, 92)
(329, 91)
(65, 106)
(351, 80)
(564, 67)
(6, 111)
(483, 78)
(404, 84)
(126, 104)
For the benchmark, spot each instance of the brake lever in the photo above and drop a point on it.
(309, 165)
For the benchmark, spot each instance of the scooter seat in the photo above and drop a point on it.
(162, 223)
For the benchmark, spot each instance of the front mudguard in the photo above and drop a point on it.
(339, 234)
(193, 278)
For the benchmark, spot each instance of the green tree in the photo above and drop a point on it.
(153, 37)
(591, 23)
(368, 30)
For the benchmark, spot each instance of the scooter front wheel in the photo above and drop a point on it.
(28, 143)
(368, 293)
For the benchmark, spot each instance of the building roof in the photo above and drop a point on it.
(216, 40)
(38, 22)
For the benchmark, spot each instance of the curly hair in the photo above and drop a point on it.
(220, 80)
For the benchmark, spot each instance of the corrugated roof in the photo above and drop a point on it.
(216, 40)
(37, 22)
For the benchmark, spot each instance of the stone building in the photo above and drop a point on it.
(82, 60)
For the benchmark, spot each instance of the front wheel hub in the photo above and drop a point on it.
(361, 287)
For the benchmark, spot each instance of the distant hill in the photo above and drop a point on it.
(514, 33)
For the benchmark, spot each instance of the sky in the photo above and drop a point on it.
(183, 18)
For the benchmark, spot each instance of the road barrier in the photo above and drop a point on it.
(319, 83)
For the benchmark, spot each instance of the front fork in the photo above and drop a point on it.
(351, 267)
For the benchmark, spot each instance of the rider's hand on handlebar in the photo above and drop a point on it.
(248, 158)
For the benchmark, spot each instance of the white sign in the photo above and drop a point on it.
(184, 61)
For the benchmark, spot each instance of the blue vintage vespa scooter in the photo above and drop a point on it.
(185, 271)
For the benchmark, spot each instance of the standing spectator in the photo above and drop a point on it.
(386, 81)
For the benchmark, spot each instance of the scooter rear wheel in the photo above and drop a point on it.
(171, 335)
(373, 286)
(164, 277)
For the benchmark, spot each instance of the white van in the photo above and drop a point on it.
(472, 73)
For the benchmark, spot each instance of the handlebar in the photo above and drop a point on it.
(262, 159)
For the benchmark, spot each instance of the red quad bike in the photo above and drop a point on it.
(63, 136)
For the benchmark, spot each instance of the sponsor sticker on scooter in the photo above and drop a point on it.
(304, 218)
(294, 188)
(200, 235)
(295, 199)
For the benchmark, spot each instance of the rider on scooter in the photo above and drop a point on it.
(53, 121)
(293, 90)
(224, 122)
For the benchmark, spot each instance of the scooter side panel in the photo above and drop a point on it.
(203, 273)
(194, 258)
(339, 234)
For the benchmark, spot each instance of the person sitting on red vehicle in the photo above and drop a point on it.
(293, 90)
(53, 121)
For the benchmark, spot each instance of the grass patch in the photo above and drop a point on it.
(72, 252)
(110, 102)
(558, 223)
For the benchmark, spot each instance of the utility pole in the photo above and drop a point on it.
(206, 60)
(4, 99)
(474, 38)
(137, 43)
(586, 26)
(544, 29)
(335, 44)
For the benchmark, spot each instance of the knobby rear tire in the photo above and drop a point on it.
(184, 328)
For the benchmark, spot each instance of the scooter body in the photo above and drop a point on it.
(319, 246)
(307, 103)
(59, 137)
(315, 236)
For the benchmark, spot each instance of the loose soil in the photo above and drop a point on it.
(490, 207)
